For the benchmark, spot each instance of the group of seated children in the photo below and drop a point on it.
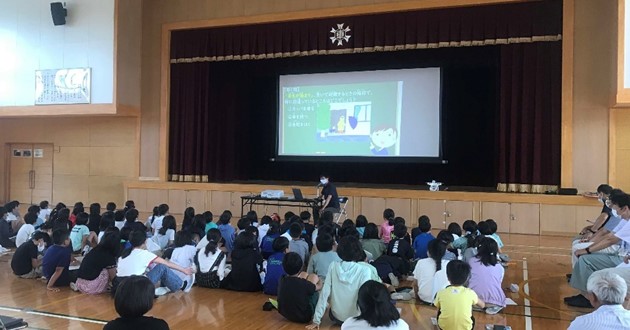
(353, 268)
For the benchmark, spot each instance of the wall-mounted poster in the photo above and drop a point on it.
(17, 153)
(38, 153)
(63, 86)
(27, 153)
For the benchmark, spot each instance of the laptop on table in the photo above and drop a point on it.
(297, 194)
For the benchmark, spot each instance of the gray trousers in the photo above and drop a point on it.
(590, 263)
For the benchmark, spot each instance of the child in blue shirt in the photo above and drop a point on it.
(421, 241)
(266, 244)
(274, 266)
(57, 260)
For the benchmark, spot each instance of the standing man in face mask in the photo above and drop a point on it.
(330, 198)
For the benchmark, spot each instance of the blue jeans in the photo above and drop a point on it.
(166, 277)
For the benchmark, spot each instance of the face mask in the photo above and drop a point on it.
(323, 181)
(41, 247)
(614, 213)
(602, 200)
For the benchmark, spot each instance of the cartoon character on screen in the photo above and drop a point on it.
(341, 124)
(383, 138)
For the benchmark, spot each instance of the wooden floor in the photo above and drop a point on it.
(538, 266)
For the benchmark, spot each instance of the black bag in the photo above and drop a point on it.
(211, 278)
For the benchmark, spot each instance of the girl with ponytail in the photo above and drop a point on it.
(136, 260)
(430, 273)
(486, 275)
(211, 261)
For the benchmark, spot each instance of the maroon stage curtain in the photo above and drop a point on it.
(204, 141)
(529, 117)
(450, 27)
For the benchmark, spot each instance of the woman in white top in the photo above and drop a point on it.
(209, 254)
(377, 310)
(138, 261)
(165, 236)
(426, 282)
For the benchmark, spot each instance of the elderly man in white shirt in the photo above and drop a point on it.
(606, 292)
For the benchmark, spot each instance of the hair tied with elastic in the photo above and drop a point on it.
(443, 241)
(211, 241)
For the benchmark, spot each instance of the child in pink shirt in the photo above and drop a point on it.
(385, 232)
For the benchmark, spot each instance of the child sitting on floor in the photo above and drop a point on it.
(320, 261)
(297, 291)
(493, 234)
(211, 261)
(133, 299)
(25, 262)
(274, 266)
(423, 237)
(80, 233)
(455, 302)
(377, 310)
(297, 243)
(27, 229)
(385, 231)
(183, 255)
(487, 275)
(468, 239)
(56, 262)
(247, 265)
(266, 244)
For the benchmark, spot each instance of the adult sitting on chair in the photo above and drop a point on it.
(590, 262)
(329, 195)
(603, 233)
(606, 292)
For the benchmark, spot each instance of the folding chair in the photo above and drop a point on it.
(343, 202)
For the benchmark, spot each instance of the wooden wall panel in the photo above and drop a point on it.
(459, 211)
(72, 161)
(499, 212)
(222, 200)
(584, 213)
(177, 201)
(558, 220)
(526, 219)
(402, 207)
(156, 197)
(197, 200)
(435, 210)
(373, 209)
(139, 196)
(103, 189)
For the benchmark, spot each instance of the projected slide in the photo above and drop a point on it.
(393, 113)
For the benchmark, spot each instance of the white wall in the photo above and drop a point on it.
(29, 41)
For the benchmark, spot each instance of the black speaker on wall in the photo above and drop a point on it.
(59, 13)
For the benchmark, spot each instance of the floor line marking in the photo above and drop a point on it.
(528, 310)
(53, 315)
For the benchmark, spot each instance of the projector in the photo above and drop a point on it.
(272, 194)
